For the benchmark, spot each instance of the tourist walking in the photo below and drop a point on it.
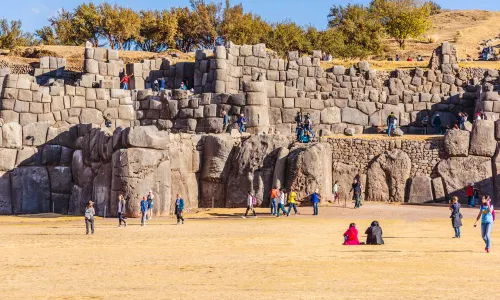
(121, 211)
(374, 234)
(486, 216)
(315, 202)
(274, 200)
(251, 202)
(356, 189)
(89, 217)
(336, 193)
(292, 204)
(179, 207)
(351, 236)
(391, 123)
(456, 216)
(282, 203)
(471, 201)
(242, 121)
(150, 205)
(144, 210)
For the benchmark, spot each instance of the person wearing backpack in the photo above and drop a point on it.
(251, 202)
(89, 217)
(391, 123)
(486, 216)
(291, 199)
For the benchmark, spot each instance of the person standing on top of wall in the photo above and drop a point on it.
(391, 123)
(125, 81)
(183, 86)
(315, 202)
(144, 210)
(179, 207)
(242, 121)
(437, 124)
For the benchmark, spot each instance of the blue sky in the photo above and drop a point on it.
(34, 13)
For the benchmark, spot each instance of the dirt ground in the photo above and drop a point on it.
(219, 255)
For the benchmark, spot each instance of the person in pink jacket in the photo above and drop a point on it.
(351, 235)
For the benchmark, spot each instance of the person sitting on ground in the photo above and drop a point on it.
(125, 81)
(420, 58)
(374, 234)
(409, 58)
(351, 236)
(183, 86)
(242, 122)
(398, 58)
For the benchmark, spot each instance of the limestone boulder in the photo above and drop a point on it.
(397, 132)
(183, 179)
(420, 190)
(458, 172)
(252, 169)
(35, 134)
(12, 135)
(349, 131)
(7, 159)
(387, 177)
(135, 172)
(5, 194)
(482, 140)
(456, 142)
(30, 190)
(330, 115)
(354, 116)
(147, 137)
(438, 188)
(310, 168)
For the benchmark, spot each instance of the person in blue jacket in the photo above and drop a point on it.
(315, 201)
(144, 210)
(179, 207)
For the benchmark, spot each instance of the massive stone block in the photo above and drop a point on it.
(420, 190)
(456, 142)
(7, 159)
(387, 176)
(279, 177)
(135, 172)
(252, 169)
(60, 179)
(330, 115)
(35, 134)
(30, 190)
(354, 116)
(147, 137)
(308, 169)
(102, 190)
(459, 172)
(12, 135)
(482, 141)
(5, 194)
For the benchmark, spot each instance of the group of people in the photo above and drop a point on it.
(304, 127)
(398, 58)
(373, 235)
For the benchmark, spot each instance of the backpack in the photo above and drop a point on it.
(493, 213)
(254, 201)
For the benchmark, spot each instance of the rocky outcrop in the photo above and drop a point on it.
(458, 172)
(344, 173)
(420, 190)
(309, 168)
(482, 141)
(456, 142)
(252, 169)
(30, 190)
(387, 176)
(147, 137)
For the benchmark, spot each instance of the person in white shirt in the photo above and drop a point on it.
(281, 205)
(121, 211)
(250, 204)
(336, 192)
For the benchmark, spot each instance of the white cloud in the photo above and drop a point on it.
(35, 10)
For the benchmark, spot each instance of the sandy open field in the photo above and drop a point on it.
(219, 255)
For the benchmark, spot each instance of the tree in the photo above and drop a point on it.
(46, 36)
(11, 35)
(287, 36)
(403, 19)
(158, 30)
(119, 24)
(64, 28)
(356, 32)
(242, 28)
(86, 22)
(186, 36)
(206, 20)
(435, 8)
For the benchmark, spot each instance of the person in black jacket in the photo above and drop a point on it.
(374, 234)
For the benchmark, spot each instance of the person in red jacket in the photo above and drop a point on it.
(471, 201)
(351, 236)
(125, 80)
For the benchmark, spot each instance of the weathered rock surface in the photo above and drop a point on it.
(147, 137)
(279, 176)
(482, 141)
(420, 190)
(30, 190)
(387, 176)
(5, 194)
(252, 169)
(7, 159)
(308, 169)
(459, 172)
(344, 174)
(12, 135)
(456, 142)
